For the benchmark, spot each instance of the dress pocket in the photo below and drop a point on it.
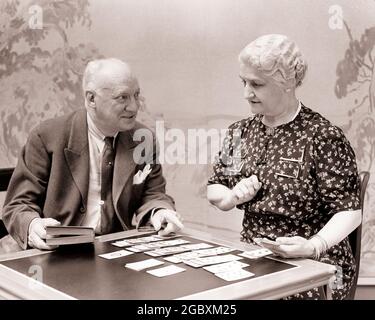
(290, 167)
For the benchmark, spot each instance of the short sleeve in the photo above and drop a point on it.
(218, 175)
(337, 176)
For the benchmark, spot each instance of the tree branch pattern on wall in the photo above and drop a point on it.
(356, 79)
(38, 82)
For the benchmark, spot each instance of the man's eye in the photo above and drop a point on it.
(256, 84)
(136, 95)
(123, 97)
(243, 82)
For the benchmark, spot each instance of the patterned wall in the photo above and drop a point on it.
(356, 84)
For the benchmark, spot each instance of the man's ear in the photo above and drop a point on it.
(90, 98)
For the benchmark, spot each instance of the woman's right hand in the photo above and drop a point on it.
(246, 189)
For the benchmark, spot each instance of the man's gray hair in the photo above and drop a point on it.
(95, 67)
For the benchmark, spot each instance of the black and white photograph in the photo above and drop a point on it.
(205, 150)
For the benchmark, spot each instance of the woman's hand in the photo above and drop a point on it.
(291, 247)
(246, 189)
(226, 199)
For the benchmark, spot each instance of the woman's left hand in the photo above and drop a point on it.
(291, 247)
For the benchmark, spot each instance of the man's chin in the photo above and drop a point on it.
(128, 124)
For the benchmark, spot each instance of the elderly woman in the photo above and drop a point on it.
(292, 172)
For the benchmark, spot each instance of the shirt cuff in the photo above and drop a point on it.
(145, 222)
(153, 211)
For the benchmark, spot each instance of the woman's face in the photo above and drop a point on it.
(264, 95)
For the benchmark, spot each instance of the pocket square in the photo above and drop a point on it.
(141, 175)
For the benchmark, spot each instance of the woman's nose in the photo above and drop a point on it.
(249, 94)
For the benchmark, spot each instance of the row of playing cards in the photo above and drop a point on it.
(193, 258)
(230, 271)
(154, 245)
(132, 242)
(177, 258)
(205, 261)
(149, 263)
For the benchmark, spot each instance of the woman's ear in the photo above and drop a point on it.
(288, 89)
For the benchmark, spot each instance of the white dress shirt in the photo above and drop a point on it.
(94, 202)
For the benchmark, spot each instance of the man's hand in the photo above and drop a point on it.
(169, 217)
(37, 233)
(291, 247)
(246, 189)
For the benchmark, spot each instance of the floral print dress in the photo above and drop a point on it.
(308, 172)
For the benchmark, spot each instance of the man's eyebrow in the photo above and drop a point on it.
(125, 90)
(117, 92)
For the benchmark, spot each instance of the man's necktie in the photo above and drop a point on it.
(108, 210)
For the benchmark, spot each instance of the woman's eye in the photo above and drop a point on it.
(243, 82)
(256, 84)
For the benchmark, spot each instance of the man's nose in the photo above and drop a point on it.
(133, 105)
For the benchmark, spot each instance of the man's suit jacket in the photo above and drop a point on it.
(52, 176)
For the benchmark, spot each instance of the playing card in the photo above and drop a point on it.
(168, 243)
(144, 264)
(256, 254)
(135, 241)
(121, 244)
(234, 275)
(197, 246)
(227, 266)
(152, 253)
(175, 242)
(115, 254)
(169, 250)
(215, 251)
(172, 259)
(151, 238)
(177, 258)
(204, 261)
(139, 248)
(166, 271)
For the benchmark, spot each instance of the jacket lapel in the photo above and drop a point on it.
(77, 154)
(124, 164)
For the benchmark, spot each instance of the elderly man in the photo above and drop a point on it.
(79, 169)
